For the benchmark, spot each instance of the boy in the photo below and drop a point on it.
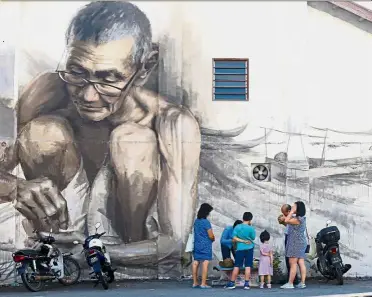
(244, 235)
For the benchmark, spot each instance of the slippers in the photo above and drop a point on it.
(195, 286)
(205, 287)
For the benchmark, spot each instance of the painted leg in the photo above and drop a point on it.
(47, 149)
(134, 158)
(50, 160)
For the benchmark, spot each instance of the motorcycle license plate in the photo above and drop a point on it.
(93, 259)
(336, 260)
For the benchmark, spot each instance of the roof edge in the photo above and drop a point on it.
(350, 12)
(357, 9)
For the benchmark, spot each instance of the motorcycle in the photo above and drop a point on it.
(329, 262)
(45, 262)
(98, 258)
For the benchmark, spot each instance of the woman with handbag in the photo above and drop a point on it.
(203, 239)
(297, 244)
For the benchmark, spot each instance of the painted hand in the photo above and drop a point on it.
(40, 201)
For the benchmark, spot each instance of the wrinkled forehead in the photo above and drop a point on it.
(95, 57)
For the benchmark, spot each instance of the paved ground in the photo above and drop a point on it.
(182, 289)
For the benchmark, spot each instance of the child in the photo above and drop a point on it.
(244, 235)
(265, 267)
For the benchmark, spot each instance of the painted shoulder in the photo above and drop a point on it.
(42, 95)
(179, 119)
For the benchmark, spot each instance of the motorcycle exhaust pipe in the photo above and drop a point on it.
(43, 277)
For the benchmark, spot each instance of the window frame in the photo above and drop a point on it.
(246, 60)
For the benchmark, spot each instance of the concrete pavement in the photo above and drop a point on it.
(183, 289)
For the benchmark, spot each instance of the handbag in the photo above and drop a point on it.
(307, 251)
(190, 243)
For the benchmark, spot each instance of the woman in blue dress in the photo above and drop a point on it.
(203, 239)
(296, 244)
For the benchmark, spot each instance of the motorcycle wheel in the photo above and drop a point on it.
(31, 284)
(321, 272)
(109, 273)
(101, 278)
(339, 276)
(70, 265)
(110, 276)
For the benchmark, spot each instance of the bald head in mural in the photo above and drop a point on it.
(96, 146)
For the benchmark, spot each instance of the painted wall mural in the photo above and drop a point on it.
(112, 136)
(95, 146)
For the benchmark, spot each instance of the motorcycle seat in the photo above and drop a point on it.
(27, 252)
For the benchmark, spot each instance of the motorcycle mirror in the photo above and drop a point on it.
(97, 225)
(329, 222)
(75, 242)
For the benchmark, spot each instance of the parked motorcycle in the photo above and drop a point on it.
(45, 262)
(329, 260)
(98, 258)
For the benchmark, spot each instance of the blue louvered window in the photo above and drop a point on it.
(230, 79)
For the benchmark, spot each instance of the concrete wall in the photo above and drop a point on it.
(309, 97)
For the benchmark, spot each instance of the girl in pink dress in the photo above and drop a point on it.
(265, 267)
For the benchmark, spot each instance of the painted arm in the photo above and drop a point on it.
(179, 142)
(44, 94)
(8, 161)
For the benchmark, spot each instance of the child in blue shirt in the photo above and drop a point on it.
(244, 235)
(227, 241)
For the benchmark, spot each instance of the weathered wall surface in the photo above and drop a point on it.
(309, 98)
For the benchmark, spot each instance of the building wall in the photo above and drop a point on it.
(309, 98)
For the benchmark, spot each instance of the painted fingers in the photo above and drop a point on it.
(41, 202)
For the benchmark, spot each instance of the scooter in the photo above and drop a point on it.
(98, 259)
(45, 262)
(329, 262)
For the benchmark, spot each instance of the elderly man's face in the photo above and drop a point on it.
(109, 66)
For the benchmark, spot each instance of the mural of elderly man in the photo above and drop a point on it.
(96, 146)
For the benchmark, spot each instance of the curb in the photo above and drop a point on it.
(367, 294)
